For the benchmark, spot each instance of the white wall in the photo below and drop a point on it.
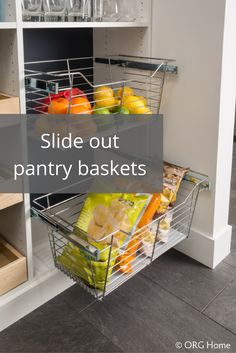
(198, 108)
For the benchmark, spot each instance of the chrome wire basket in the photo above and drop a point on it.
(81, 260)
(78, 78)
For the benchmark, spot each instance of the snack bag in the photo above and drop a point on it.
(107, 215)
(93, 273)
(172, 178)
(164, 228)
(148, 235)
(101, 216)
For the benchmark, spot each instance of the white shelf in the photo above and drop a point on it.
(7, 25)
(175, 238)
(83, 24)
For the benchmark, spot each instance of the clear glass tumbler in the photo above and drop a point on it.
(54, 10)
(79, 10)
(111, 10)
(32, 10)
(97, 10)
(2, 10)
(128, 10)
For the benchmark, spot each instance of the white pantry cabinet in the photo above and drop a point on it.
(198, 106)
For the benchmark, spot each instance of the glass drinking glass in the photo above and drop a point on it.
(79, 10)
(54, 10)
(128, 10)
(110, 10)
(2, 10)
(97, 10)
(32, 10)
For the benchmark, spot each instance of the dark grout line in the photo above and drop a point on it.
(217, 295)
(96, 301)
(174, 295)
(218, 323)
(232, 266)
(190, 305)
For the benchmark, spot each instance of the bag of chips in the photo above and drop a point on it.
(93, 273)
(110, 216)
(172, 178)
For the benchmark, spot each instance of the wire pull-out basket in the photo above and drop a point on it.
(78, 77)
(96, 270)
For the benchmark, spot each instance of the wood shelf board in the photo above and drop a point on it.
(8, 200)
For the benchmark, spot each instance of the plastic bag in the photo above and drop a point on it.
(93, 273)
(111, 216)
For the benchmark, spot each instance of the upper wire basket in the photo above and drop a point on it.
(140, 77)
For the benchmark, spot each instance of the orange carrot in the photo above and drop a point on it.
(124, 262)
(133, 245)
(150, 211)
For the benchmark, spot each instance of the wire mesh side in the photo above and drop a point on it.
(101, 277)
(75, 79)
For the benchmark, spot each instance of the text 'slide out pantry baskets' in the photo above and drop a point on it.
(110, 85)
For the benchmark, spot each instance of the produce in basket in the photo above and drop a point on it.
(60, 101)
(124, 261)
(104, 97)
(150, 211)
(58, 106)
(102, 121)
(80, 105)
(143, 99)
(102, 111)
(124, 101)
(135, 105)
(126, 91)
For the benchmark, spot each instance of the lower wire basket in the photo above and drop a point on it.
(78, 259)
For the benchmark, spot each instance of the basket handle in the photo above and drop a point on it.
(86, 247)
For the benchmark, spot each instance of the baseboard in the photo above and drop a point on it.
(207, 250)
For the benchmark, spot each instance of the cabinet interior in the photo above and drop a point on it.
(9, 83)
(55, 44)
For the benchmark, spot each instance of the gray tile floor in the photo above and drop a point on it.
(175, 300)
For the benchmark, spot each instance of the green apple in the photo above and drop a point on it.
(101, 111)
(103, 122)
(123, 110)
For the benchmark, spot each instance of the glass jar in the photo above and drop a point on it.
(128, 10)
(111, 10)
(54, 10)
(97, 10)
(32, 10)
(79, 10)
(2, 10)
